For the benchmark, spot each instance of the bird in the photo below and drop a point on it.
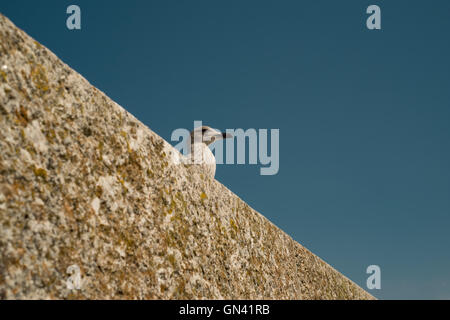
(200, 153)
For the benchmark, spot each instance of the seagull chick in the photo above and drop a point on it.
(200, 154)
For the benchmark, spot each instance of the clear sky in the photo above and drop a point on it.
(363, 115)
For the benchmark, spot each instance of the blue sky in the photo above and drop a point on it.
(363, 115)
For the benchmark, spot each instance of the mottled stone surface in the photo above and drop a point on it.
(83, 183)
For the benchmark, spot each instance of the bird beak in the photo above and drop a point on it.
(216, 135)
(220, 136)
(226, 135)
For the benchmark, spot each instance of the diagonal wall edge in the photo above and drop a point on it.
(85, 186)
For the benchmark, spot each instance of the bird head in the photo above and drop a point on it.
(207, 135)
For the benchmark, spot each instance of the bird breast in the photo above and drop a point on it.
(202, 156)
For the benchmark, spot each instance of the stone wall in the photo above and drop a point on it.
(85, 185)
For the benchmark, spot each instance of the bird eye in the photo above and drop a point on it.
(204, 130)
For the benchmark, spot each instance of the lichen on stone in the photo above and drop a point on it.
(83, 182)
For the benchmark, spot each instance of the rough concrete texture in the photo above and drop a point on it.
(85, 184)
